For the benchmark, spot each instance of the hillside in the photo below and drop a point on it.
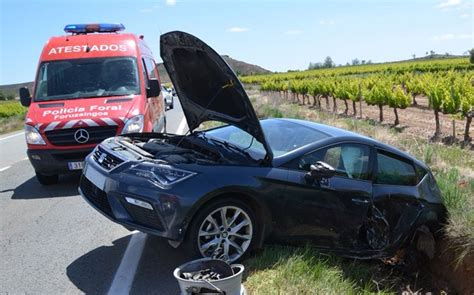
(240, 67)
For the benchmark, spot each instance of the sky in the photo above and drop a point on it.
(277, 35)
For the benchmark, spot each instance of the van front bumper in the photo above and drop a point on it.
(51, 162)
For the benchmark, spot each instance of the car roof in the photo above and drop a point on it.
(328, 130)
(336, 135)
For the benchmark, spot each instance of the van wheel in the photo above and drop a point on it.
(47, 179)
(226, 229)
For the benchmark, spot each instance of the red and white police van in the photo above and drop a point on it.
(91, 84)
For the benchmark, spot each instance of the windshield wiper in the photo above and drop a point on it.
(230, 146)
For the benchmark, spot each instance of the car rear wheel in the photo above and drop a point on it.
(225, 229)
(47, 179)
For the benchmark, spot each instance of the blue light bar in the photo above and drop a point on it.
(93, 28)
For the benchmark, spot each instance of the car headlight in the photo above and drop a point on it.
(163, 176)
(33, 136)
(134, 125)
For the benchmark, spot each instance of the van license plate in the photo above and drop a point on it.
(75, 165)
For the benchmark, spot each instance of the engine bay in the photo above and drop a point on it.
(181, 149)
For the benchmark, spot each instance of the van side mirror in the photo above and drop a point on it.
(25, 96)
(319, 171)
(154, 88)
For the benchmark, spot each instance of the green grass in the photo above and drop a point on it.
(303, 270)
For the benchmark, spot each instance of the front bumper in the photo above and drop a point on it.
(162, 218)
(51, 162)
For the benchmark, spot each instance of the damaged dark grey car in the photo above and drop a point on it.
(224, 191)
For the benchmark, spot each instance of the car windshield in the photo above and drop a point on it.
(87, 77)
(282, 136)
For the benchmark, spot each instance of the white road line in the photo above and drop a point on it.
(181, 127)
(13, 135)
(123, 279)
(4, 168)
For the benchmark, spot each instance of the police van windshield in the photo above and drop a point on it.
(87, 77)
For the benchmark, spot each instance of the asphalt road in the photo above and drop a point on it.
(53, 242)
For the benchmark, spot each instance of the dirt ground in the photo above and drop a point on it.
(418, 120)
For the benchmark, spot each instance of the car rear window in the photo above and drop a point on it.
(394, 170)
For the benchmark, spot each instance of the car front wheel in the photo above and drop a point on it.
(225, 230)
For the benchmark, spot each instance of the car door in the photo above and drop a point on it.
(395, 195)
(329, 212)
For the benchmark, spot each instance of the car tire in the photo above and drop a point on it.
(47, 179)
(238, 236)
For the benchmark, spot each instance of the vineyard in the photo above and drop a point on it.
(11, 108)
(447, 84)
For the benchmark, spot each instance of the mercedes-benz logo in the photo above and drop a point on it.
(81, 136)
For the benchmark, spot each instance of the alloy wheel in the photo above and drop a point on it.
(226, 233)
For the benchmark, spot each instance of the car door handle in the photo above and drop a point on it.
(360, 201)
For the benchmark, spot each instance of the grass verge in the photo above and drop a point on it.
(12, 123)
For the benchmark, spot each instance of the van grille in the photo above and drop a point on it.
(97, 134)
(106, 160)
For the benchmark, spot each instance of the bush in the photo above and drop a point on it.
(11, 108)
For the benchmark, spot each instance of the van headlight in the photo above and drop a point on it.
(163, 176)
(134, 124)
(33, 136)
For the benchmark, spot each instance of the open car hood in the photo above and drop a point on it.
(207, 87)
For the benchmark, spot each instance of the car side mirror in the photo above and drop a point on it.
(320, 170)
(153, 89)
(25, 96)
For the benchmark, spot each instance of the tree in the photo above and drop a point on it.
(378, 96)
(414, 86)
(437, 91)
(355, 62)
(414, 56)
(466, 91)
(328, 63)
(398, 100)
(10, 96)
(354, 93)
(2, 96)
(471, 56)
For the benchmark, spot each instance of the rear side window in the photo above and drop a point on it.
(420, 172)
(394, 170)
